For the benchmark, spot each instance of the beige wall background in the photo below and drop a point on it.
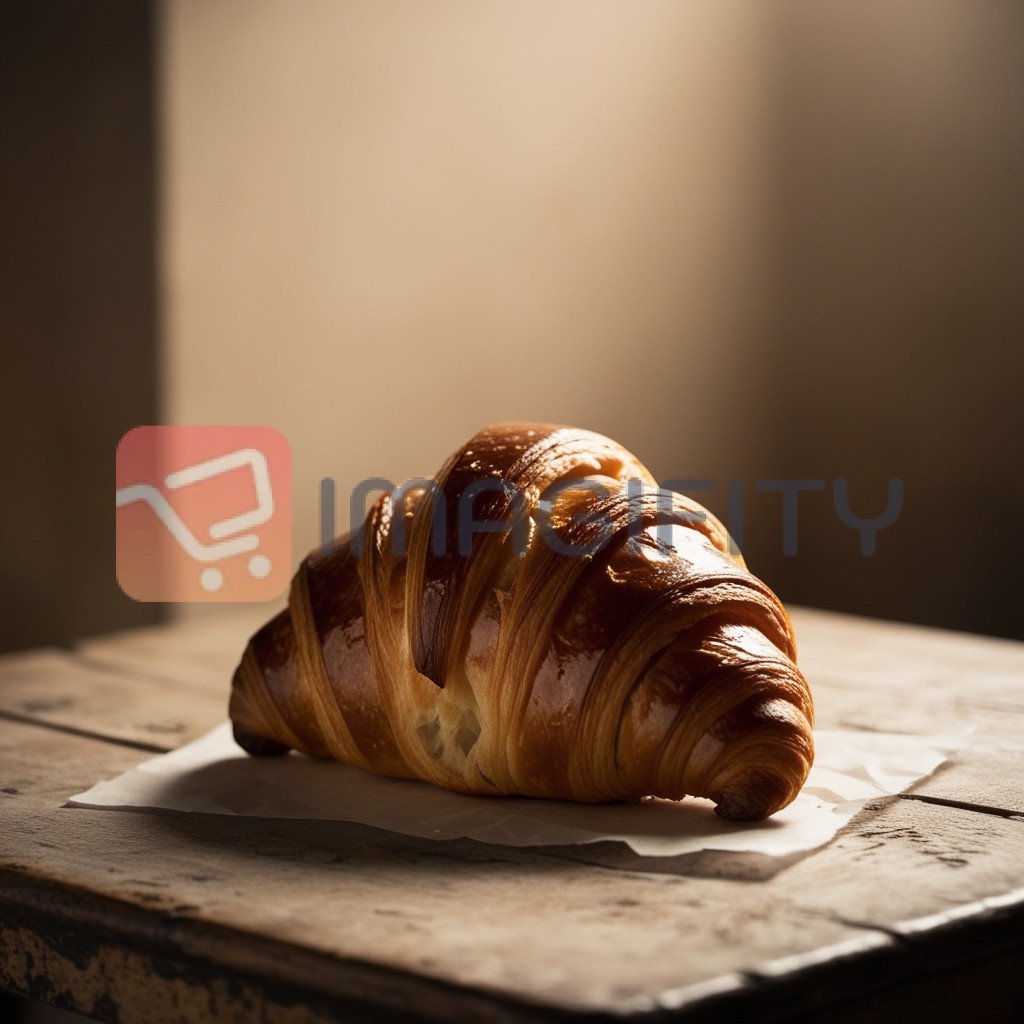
(388, 224)
(746, 239)
(897, 313)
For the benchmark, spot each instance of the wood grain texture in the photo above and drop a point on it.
(888, 657)
(194, 654)
(299, 919)
(55, 688)
(890, 676)
(354, 904)
(482, 918)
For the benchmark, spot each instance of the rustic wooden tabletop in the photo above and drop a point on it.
(916, 907)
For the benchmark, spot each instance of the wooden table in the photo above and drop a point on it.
(916, 907)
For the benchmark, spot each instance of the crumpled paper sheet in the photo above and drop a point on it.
(213, 776)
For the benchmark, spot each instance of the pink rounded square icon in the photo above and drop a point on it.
(203, 513)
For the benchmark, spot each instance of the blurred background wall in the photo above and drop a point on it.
(388, 224)
(750, 240)
(896, 320)
(78, 303)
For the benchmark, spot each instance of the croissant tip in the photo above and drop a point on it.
(255, 745)
(737, 807)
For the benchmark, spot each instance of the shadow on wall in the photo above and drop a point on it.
(77, 304)
(897, 308)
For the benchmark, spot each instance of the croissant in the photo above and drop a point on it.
(540, 619)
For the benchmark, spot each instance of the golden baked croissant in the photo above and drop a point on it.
(540, 620)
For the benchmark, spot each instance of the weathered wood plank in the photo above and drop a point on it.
(888, 676)
(466, 912)
(127, 964)
(907, 860)
(988, 772)
(988, 768)
(873, 656)
(487, 919)
(505, 928)
(50, 686)
(198, 652)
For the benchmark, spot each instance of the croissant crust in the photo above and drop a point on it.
(593, 639)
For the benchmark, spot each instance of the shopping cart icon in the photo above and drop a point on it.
(229, 537)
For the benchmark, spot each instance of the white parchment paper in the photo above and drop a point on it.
(213, 776)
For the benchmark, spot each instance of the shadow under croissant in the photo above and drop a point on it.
(354, 845)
